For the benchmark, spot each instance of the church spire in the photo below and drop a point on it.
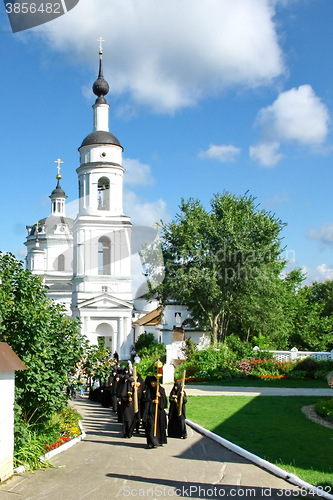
(58, 195)
(100, 89)
(100, 86)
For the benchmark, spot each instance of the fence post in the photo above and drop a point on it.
(332, 354)
(293, 353)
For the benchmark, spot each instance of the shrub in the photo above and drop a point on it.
(32, 440)
(324, 408)
(146, 366)
(241, 348)
(312, 368)
(155, 350)
(208, 364)
(144, 340)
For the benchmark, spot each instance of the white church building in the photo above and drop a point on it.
(86, 262)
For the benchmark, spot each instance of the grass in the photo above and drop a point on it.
(274, 428)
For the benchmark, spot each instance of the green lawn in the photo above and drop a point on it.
(284, 382)
(274, 428)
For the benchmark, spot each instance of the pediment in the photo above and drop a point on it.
(105, 301)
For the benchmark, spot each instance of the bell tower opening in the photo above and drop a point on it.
(104, 256)
(103, 193)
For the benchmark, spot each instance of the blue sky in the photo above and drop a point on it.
(206, 96)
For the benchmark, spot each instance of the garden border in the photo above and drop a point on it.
(274, 469)
(56, 451)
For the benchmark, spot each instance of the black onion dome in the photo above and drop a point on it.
(100, 137)
(58, 192)
(100, 86)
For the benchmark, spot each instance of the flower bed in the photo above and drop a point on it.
(56, 444)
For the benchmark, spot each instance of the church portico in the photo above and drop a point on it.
(107, 316)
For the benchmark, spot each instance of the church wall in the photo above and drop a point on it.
(174, 315)
(94, 153)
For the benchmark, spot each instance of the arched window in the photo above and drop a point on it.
(104, 255)
(103, 194)
(61, 262)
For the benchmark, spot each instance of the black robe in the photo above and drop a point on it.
(114, 383)
(148, 413)
(176, 423)
(119, 388)
(126, 397)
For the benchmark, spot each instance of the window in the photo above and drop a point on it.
(103, 194)
(104, 255)
(61, 262)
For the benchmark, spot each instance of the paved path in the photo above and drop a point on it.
(218, 390)
(105, 466)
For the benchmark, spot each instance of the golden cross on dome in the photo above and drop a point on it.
(157, 225)
(100, 40)
(58, 167)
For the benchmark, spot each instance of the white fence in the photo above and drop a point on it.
(174, 351)
(294, 354)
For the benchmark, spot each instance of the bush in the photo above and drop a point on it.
(149, 351)
(146, 366)
(312, 368)
(32, 440)
(324, 408)
(240, 347)
(144, 340)
(208, 364)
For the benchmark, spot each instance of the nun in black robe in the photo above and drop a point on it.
(176, 422)
(126, 396)
(148, 413)
(138, 415)
(119, 390)
(113, 383)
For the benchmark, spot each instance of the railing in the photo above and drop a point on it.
(174, 351)
(294, 354)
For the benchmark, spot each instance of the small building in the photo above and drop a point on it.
(9, 363)
(171, 325)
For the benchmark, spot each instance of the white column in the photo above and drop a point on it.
(101, 117)
(120, 335)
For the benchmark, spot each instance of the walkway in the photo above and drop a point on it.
(105, 466)
(218, 390)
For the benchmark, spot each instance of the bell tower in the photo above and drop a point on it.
(102, 233)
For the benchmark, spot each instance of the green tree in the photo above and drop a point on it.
(49, 343)
(98, 363)
(313, 319)
(211, 256)
(263, 311)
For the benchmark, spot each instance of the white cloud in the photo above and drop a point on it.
(221, 153)
(321, 273)
(144, 213)
(168, 54)
(324, 234)
(137, 173)
(298, 115)
(267, 154)
(277, 199)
